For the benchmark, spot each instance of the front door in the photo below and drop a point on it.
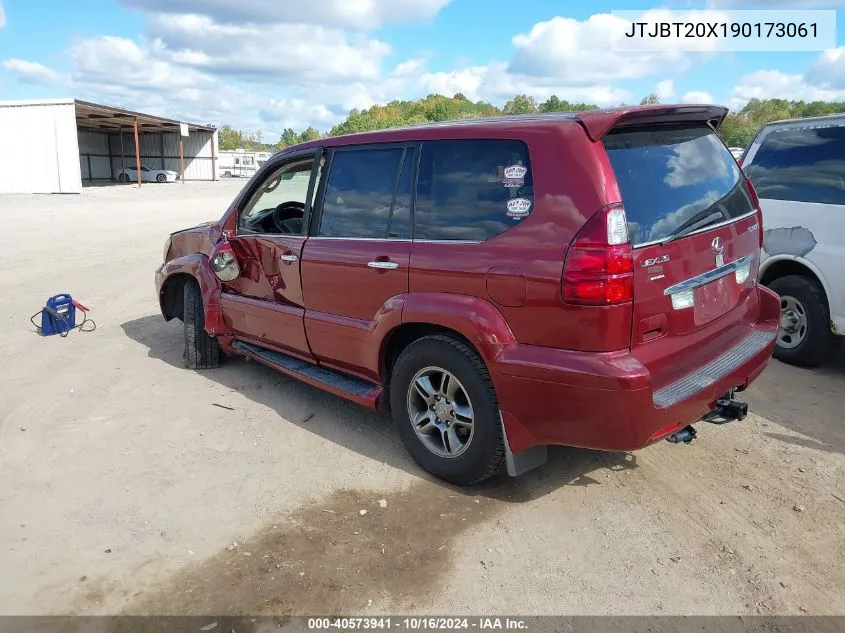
(355, 266)
(264, 304)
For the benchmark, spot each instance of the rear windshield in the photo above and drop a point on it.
(675, 179)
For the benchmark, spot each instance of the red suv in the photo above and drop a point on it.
(499, 285)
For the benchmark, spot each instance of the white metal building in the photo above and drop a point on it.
(57, 145)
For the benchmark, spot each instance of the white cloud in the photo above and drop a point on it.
(291, 53)
(119, 61)
(697, 96)
(496, 83)
(2, 16)
(580, 52)
(829, 69)
(32, 72)
(466, 80)
(770, 84)
(355, 14)
(297, 114)
(665, 89)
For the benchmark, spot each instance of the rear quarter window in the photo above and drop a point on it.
(472, 189)
(800, 164)
(675, 178)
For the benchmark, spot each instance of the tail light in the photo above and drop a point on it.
(599, 265)
(223, 262)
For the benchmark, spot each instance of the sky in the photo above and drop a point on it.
(270, 64)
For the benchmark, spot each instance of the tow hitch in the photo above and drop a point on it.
(727, 410)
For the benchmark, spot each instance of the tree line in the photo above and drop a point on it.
(737, 130)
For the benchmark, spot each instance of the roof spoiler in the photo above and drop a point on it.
(599, 123)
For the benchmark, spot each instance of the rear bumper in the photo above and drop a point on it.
(607, 401)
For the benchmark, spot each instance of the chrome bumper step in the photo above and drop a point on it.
(713, 371)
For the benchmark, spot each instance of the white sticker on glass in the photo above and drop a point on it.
(514, 176)
(518, 208)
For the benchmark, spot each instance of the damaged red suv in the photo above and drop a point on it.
(498, 285)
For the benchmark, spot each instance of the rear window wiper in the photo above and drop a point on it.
(695, 223)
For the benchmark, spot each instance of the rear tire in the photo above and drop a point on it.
(123, 178)
(804, 337)
(473, 411)
(201, 350)
(161, 178)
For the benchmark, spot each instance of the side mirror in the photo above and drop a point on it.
(223, 262)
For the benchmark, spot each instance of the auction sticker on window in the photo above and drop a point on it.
(514, 176)
(519, 208)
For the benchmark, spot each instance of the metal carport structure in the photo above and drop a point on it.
(56, 145)
(111, 139)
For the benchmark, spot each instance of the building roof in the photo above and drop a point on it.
(103, 118)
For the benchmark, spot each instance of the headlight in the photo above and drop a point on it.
(167, 244)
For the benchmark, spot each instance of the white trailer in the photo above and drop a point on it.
(240, 163)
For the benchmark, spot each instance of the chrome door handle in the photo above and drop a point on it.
(289, 258)
(383, 265)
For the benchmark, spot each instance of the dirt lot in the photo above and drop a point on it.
(125, 480)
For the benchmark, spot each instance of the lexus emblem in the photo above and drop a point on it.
(719, 251)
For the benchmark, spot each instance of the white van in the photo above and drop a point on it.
(797, 167)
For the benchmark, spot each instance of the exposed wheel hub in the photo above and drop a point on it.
(440, 411)
(793, 322)
(789, 321)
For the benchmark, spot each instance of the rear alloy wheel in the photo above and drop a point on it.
(123, 178)
(445, 409)
(804, 337)
(201, 350)
(161, 178)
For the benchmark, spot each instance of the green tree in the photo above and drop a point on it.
(651, 99)
(310, 134)
(554, 104)
(521, 104)
(229, 138)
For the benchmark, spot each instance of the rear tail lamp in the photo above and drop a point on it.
(599, 265)
(223, 262)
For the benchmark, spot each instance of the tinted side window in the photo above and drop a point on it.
(473, 189)
(359, 192)
(803, 165)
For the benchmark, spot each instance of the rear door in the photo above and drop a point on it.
(695, 234)
(355, 264)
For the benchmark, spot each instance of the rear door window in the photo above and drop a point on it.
(801, 164)
(359, 192)
(472, 189)
(675, 179)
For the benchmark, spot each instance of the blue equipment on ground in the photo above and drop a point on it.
(58, 316)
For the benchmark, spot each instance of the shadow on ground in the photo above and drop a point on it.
(806, 400)
(377, 440)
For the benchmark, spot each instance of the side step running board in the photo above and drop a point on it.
(341, 384)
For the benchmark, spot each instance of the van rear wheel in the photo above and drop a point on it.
(445, 410)
(804, 337)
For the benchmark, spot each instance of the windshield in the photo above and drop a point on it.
(675, 180)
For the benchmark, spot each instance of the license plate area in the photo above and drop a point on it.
(714, 299)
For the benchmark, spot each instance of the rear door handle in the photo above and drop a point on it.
(289, 258)
(383, 265)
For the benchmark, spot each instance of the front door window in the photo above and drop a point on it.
(278, 206)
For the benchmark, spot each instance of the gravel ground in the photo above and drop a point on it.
(131, 485)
